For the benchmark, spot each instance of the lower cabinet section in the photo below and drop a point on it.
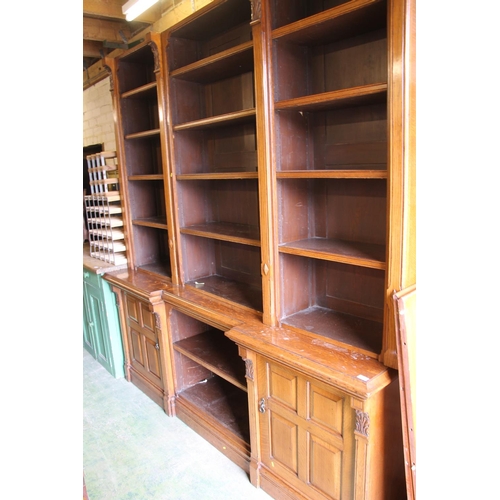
(306, 419)
(101, 328)
(210, 385)
(307, 432)
(322, 429)
(144, 362)
(145, 340)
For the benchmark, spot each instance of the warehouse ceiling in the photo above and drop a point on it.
(105, 28)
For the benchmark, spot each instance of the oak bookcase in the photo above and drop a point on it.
(267, 190)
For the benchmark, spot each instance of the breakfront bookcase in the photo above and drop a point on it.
(268, 183)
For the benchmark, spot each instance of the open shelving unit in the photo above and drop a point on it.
(141, 135)
(331, 167)
(214, 152)
(210, 382)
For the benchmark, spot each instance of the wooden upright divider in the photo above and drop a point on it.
(264, 173)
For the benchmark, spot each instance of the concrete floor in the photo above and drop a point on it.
(132, 450)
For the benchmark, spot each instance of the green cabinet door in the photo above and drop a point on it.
(101, 327)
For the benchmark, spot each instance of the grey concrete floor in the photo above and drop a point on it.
(132, 450)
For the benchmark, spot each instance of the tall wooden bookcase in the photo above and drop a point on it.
(269, 196)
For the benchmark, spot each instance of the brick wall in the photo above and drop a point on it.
(98, 123)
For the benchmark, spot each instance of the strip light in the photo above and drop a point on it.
(134, 8)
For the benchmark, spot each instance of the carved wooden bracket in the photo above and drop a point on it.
(249, 369)
(256, 10)
(154, 49)
(362, 423)
(111, 81)
(157, 321)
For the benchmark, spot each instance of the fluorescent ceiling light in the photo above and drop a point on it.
(134, 8)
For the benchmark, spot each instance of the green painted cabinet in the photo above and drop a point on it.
(101, 327)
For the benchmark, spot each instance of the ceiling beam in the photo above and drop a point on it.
(99, 30)
(104, 8)
(92, 49)
(112, 9)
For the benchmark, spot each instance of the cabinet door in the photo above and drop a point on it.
(307, 436)
(98, 326)
(88, 327)
(143, 341)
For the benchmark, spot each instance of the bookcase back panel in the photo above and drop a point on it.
(351, 289)
(334, 300)
(143, 156)
(188, 372)
(225, 149)
(198, 257)
(354, 290)
(350, 63)
(148, 199)
(184, 51)
(294, 10)
(195, 101)
(233, 149)
(183, 326)
(230, 94)
(346, 209)
(136, 70)
(227, 201)
(142, 115)
(350, 138)
(151, 247)
(238, 262)
(228, 39)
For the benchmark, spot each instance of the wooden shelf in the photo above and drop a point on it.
(157, 222)
(217, 176)
(237, 233)
(227, 119)
(342, 329)
(335, 250)
(225, 64)
(240, 293)
(144, 135)
(147, 177)
(357, 96)
(213, 350)
(342, 173)
(344, 21)
(223, 403)
(147, 91)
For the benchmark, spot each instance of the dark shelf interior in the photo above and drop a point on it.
(223, 402)
(215, 351)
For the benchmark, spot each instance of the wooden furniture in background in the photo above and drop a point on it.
(406, 323)
(104, 209)
(101, 327)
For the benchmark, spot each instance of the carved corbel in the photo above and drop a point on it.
(256, 10)
(110, 74)
(362, 423)
(154, 50)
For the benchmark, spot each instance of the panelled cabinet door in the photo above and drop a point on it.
(98, 326)
(307, 432)
(143, 340)
(88, 329)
